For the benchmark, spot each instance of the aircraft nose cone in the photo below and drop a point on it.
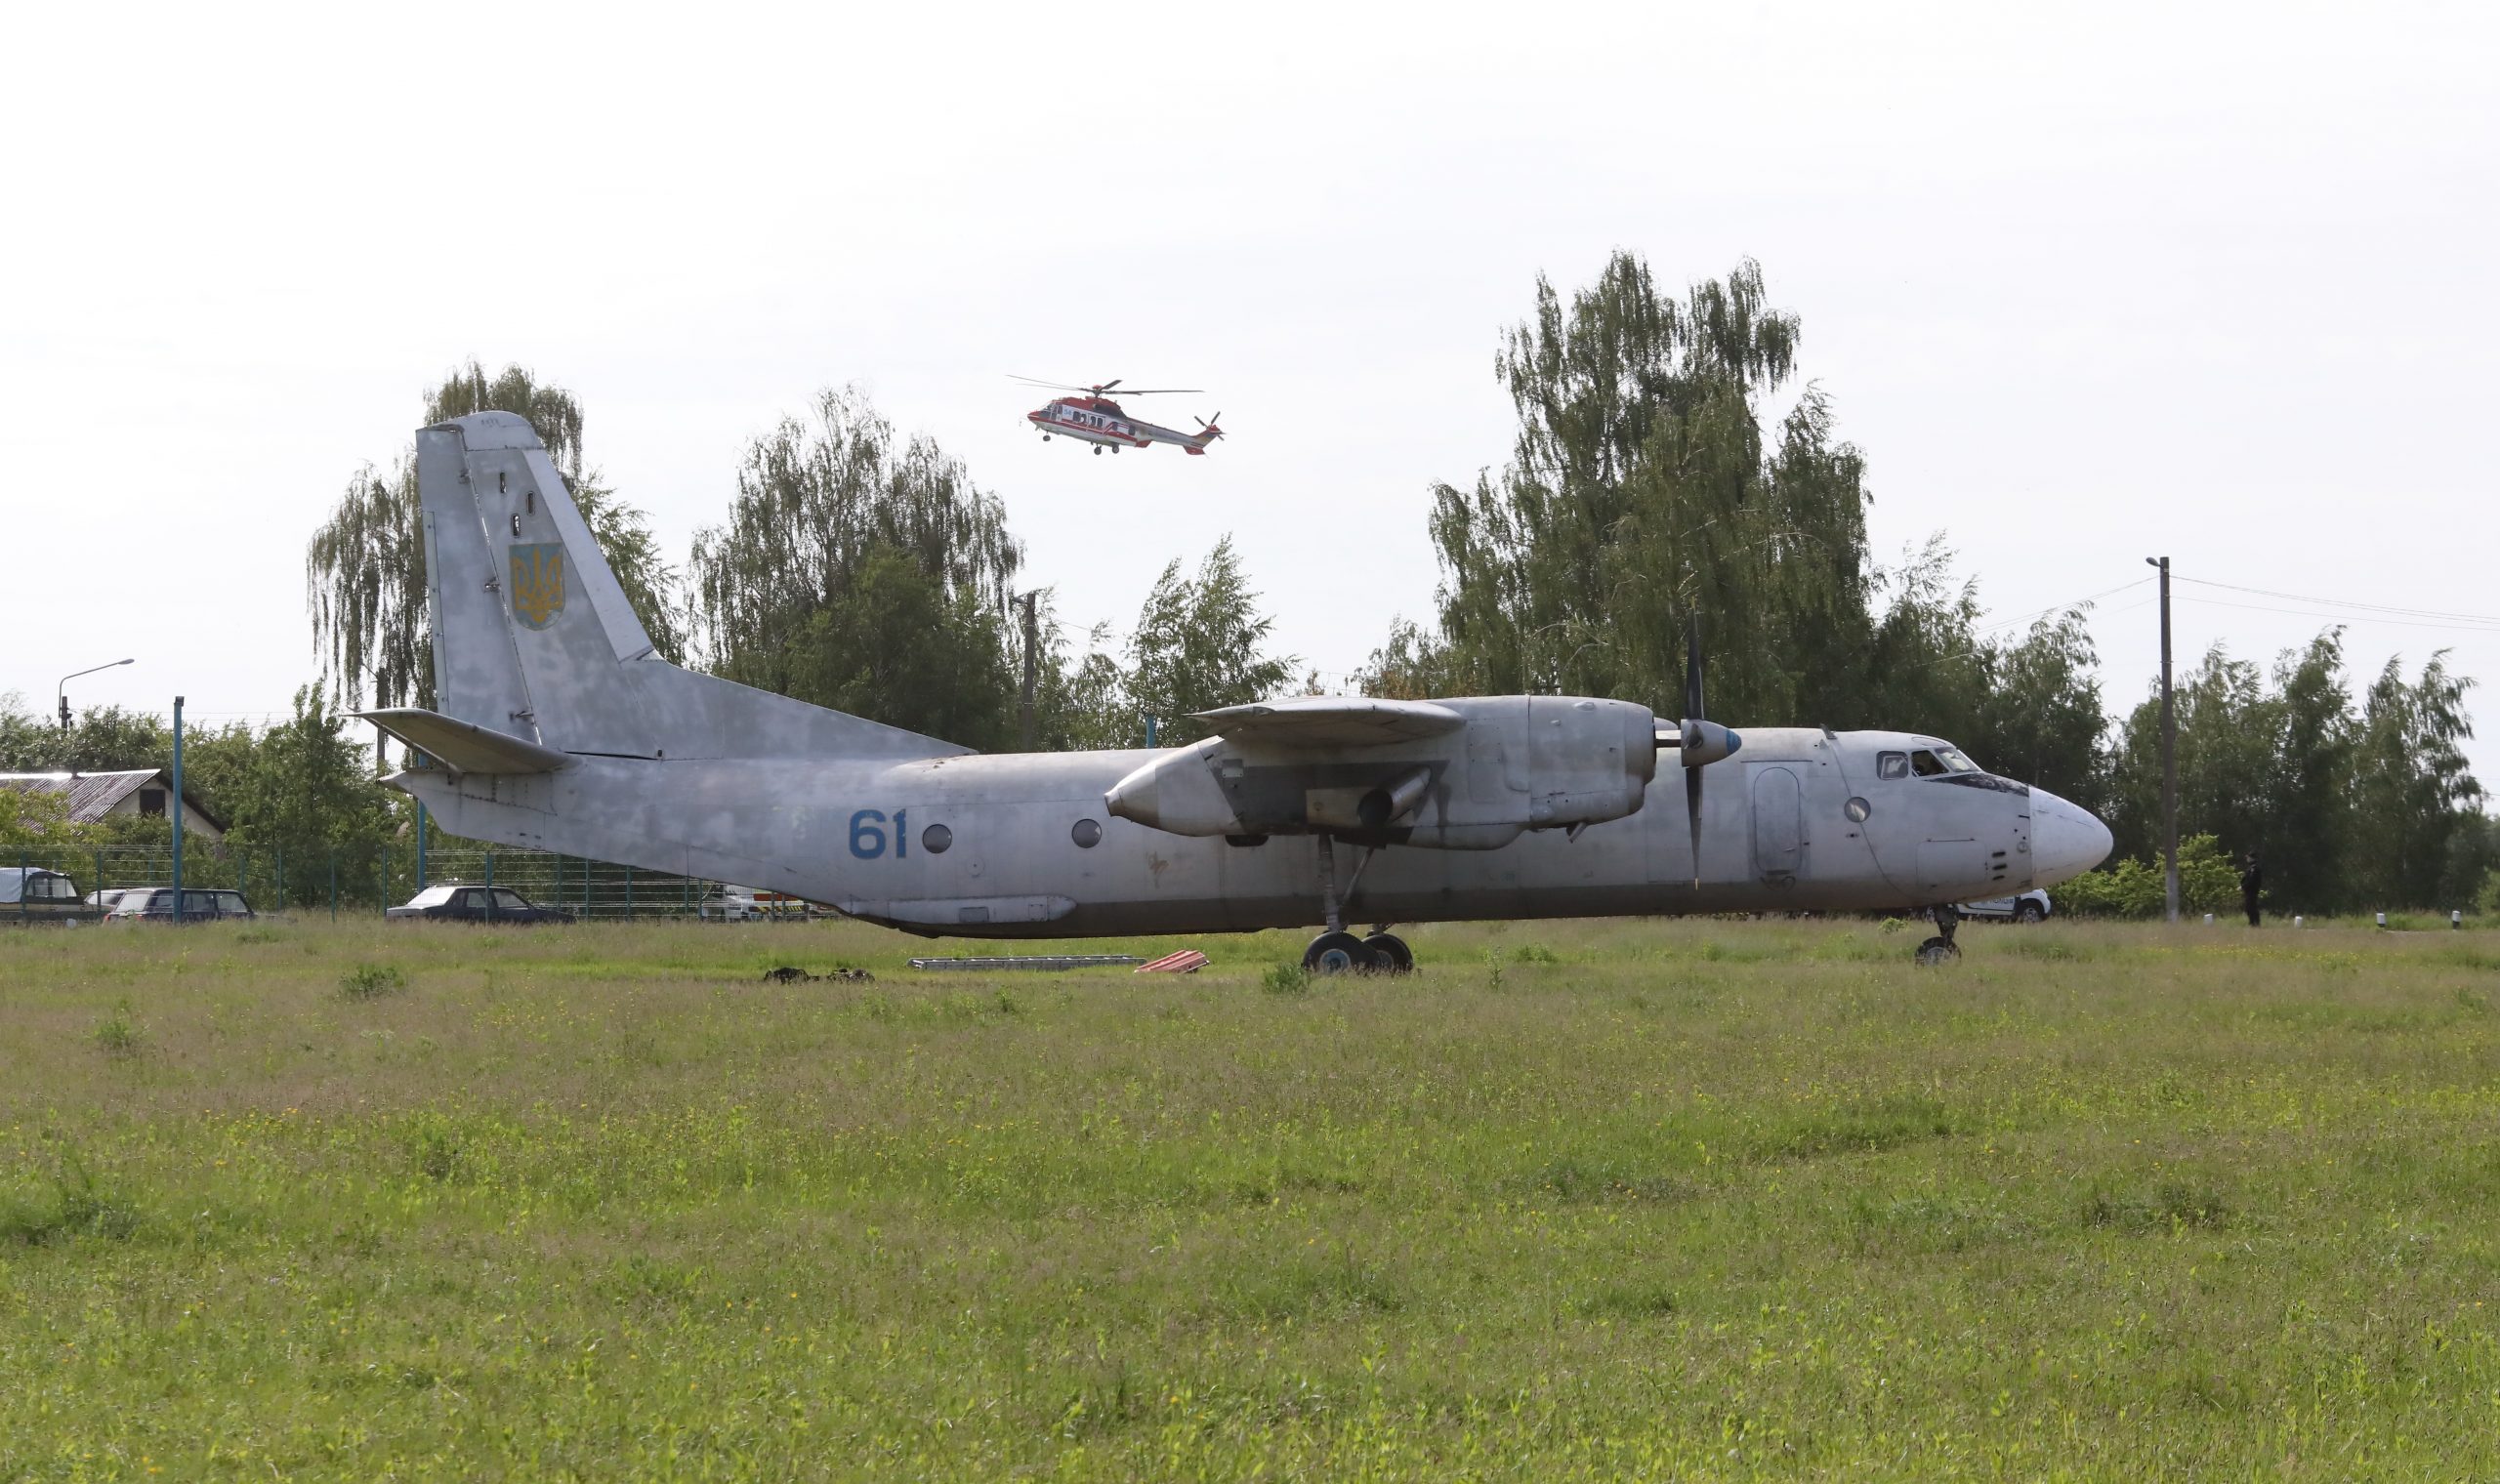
(2067, 839)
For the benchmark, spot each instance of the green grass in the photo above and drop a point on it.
(1605, 1200)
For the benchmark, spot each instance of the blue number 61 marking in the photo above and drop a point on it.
(868, 833)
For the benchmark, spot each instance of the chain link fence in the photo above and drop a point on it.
(356, 880)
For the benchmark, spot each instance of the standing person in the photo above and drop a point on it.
(2251, 881)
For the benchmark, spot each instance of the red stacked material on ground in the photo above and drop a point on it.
(1187, 961)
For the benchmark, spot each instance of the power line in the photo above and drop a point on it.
(2348, 618)
(2008, 623)
(2345, 602)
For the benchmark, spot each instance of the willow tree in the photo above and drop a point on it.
(2415, 799)
(365, 567)
(864, 573)
(1644, 490)
(1200, 642)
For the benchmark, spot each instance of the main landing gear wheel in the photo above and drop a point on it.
(1336, 953)
(1097, 450)
(1941, 949)
(1389, 953)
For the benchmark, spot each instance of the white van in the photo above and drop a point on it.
(729, 904)
(2030, 907)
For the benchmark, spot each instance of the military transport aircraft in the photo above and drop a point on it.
(1094, 418)
(561, 729)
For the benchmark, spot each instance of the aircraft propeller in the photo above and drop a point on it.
(1208, 425)
(1698, 741)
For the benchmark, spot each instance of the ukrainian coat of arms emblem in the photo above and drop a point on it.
(537, 584)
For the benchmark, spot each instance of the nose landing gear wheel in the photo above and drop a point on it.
(1941, 949)
(1389, 953)
(1336, 953)
(1097, 450)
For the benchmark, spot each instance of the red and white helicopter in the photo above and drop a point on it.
(1096, 419)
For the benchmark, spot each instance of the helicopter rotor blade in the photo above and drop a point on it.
(1053, 386)
(1155, 391)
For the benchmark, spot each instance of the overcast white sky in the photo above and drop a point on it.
(2085, 285)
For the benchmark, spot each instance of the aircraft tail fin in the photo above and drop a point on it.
(1208, 432)
(534, 639)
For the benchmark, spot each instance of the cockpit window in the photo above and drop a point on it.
(1937, 762)
(1893, 765)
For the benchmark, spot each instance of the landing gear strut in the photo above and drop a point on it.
(1942, 949)
(1337, 951)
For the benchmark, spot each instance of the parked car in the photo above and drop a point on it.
(2030, 907)
(463, 902)
(104, 898)
(33, 894)
(730, 905)
(155, 904)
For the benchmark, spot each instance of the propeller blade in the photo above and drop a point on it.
(1692, 812)
(1151, 391)
(1107, 386)
(1693, 667)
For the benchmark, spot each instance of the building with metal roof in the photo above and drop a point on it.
(136, 794)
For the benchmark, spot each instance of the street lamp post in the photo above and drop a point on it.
(63, 688)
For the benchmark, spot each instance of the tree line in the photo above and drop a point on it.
(1647, 488)
(1652, 482)
(299, 790)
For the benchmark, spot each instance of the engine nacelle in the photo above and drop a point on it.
(1514, 763)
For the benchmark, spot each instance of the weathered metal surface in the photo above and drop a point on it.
(463, 747)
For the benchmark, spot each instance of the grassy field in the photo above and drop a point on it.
(1606, 1200)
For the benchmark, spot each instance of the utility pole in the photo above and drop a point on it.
(178, 809)
(2169, 760)
(1032, 669)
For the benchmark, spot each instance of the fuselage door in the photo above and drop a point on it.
(1779, 825)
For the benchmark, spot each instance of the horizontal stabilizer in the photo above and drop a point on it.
(1322, 721)
(463, 747)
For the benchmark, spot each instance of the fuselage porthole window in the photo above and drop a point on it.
(936, 838)
(1893, 765)
(1087, 833)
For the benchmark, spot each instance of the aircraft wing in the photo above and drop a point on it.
(1326, 721)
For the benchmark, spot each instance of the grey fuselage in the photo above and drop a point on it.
(1776, 835)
